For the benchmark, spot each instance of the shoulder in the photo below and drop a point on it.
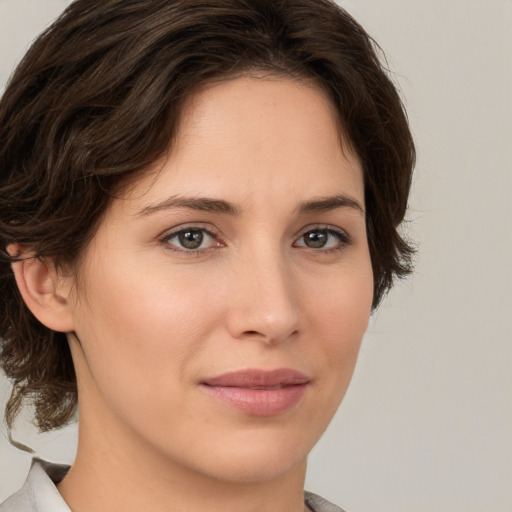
(318, 504)
(39, 492)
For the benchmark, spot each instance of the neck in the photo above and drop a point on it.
(127, 474)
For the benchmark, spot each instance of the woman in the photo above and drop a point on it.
(199, 210)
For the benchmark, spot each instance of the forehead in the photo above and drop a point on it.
(254, 136)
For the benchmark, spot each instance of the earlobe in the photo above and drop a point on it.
(42, 290)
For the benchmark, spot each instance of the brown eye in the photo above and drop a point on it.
(191, 238)
(326, 239)
(316, 239)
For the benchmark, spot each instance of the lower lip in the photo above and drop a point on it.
(259, 402)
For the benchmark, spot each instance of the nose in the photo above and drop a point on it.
(264, 300)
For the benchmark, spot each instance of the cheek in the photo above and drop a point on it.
(139, 329)
(340, 317)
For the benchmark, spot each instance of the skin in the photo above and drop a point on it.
(149, 319)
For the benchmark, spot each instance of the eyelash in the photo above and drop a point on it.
(189, 252)
(343, 238)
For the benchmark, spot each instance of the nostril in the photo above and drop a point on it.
(254, 333)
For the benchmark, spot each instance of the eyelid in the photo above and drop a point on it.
(344, 238)
(323, 227)
(168, 234)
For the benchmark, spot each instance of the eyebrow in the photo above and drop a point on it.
(207, 204)
(204, 204)
(323, 204)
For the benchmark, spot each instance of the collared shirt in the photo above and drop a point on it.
(40, 494)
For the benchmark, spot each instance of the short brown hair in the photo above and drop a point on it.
(97, 98)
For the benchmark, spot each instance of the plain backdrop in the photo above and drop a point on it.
(427, 422)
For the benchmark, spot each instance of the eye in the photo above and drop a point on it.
(327, 239)
(191, 239)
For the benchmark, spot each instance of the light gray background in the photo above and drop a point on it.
(427, 422)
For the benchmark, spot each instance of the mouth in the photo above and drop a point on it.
(258, 392)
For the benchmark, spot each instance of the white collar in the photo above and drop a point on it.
(40, 494)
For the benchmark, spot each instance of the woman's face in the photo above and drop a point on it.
(223, 299)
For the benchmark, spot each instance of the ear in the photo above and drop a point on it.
(45, 293)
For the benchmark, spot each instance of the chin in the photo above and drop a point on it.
(262, 458)
(257, 469)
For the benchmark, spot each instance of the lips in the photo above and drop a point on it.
(259, 378)
(258, 392)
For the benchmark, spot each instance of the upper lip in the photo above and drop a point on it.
(251, 378)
